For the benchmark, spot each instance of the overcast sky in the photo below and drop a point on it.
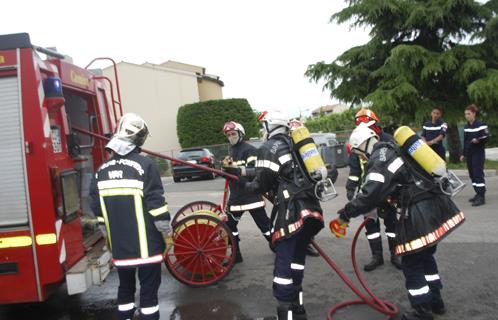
(259, 48)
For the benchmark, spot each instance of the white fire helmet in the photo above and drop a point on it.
(274, 122)
(234, 126)
(363, 139)
(132, 128)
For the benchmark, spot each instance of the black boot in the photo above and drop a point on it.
(479, 201)
(422, 312)
(377, 259)
(238, 255)
(284, 310)
(437, 303)
(395, 260)
(473, 198)
(310, 251)
(298, 310)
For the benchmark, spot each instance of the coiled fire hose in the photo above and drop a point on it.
(385, 307)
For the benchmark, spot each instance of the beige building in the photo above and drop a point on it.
(156, 92)
(328, 109)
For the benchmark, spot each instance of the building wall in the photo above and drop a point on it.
(156, 94)
(209, 90)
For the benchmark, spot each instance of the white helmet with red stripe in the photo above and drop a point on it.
(233, 126)
(274, 122)
(363, 139)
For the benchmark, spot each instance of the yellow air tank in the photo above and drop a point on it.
(420, 151)
(309, 153)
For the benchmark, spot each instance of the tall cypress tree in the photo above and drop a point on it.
(422, 53)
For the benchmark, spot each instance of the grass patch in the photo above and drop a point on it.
(488, 164)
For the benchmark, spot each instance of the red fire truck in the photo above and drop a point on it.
(46, 168)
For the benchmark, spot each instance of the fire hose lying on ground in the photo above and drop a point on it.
(202, 248)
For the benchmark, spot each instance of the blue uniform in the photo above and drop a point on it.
(433, 130)
(475, 154)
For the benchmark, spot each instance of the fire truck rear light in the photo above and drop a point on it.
(8, 268)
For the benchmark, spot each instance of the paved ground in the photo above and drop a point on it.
(467, 261)
(492, 153)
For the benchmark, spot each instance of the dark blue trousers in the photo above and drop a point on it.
(475, 165)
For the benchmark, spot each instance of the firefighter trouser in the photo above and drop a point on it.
(258, 215)
(475, 165)
(150, 279)
(289, 266)
(439, 149)
(373, 228)
(421, 275)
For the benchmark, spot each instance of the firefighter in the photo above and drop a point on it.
(296, 215)
(243, 154)
(475, 136)
(427, 215)
(128, 196)
(434, 131)
(385, 210)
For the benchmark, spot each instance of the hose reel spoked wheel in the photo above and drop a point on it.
(202, 251)
(195, 206)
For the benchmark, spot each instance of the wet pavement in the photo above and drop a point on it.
(467, 261)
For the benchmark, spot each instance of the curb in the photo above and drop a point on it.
(465, 173)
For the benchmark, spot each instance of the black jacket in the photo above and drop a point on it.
(476, 130)
(127, 194)
(243, 154)
(356, 167)
(427, 215)
(295, 204)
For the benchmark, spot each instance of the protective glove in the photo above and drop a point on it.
(350, 194)
(338, 226)
(163, 226)
(227, 162)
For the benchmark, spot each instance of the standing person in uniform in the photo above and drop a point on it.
(475, 136)
(127, 195)
(385, 211)
(427, 216)
(243, 154)
(296, 216)
(434, 131)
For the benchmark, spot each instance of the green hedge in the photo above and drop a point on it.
(202, 123)
(335, 122)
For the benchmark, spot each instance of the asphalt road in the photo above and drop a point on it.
(467, 261)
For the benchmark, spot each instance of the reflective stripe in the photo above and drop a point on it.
(142, 233)
(475, 129)
(432, 128)
(134, 262)
(432, 277)
(126, 307)
(391, 234)
(44, 239)
(479, 184)
(101, 219)
(286, 194)
(251, 159)
(373, 236)
(159, 211)
(149, 310)
(235, 233)
(239, 163)
(268, 164)
(296, 266)
(285, 158)
(123, 183)
(283, 281)
(106, 219)
(120, 192)
(14, 242)
(354, 178)
(395, 165)
(419, 292)
(267, 233)
(374, 176)
(249, 206)
(301, 300)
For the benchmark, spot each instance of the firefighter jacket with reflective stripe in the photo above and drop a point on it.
(476, 130)
(128, 195)
(356, 168)
(243, 154)
(427, 214)
(278, 173)
(433, 130)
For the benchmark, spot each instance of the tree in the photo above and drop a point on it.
(201, 124)
(422, 53)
